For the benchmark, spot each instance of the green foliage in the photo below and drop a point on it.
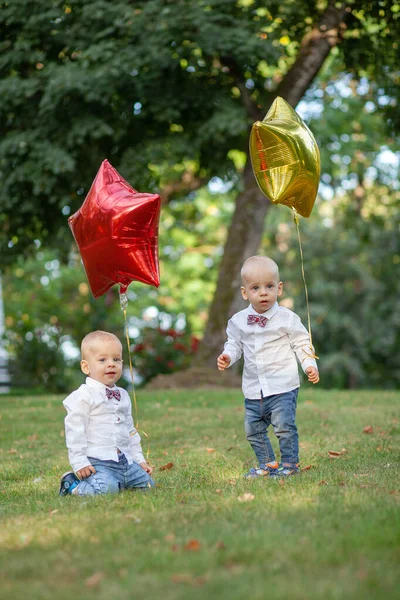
(147, 83)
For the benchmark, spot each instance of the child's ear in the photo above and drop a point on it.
(85, 367)
(280, 288)
(244, 293)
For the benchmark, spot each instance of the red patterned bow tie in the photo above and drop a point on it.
(253, 319)
(113, 394)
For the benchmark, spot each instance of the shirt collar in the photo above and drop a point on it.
(97, 385)
(268, 313)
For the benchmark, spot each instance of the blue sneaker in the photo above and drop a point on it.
(265, 471)
(68, 482)
(285, 471)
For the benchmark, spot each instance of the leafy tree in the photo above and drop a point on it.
(167, 90)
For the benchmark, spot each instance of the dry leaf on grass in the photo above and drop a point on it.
(210, 450)
(322, 482)
(368, 429)
(306, 468)
(192, 545)
(167, 466)
(95, 579)
(246, 497)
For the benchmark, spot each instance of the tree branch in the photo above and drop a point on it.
(314, 49)
(251, 107)
(188, 183)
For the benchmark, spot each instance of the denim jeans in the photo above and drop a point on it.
(279, 411)
(112, 476)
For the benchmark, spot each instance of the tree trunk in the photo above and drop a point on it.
(243, 240)
(246, 230)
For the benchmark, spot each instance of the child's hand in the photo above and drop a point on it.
(223, 361)
(146, 467)
(85, 472)
(313, 374)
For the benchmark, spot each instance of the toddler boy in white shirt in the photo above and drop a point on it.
(103, 445)
(270, 337)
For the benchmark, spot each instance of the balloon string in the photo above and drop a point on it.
(123, 306)
(305, 349)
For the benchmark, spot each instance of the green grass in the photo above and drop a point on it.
(330, 533)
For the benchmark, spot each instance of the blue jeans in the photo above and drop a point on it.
(279, 411)
(112, 476)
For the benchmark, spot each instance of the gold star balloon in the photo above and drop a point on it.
(285, 158)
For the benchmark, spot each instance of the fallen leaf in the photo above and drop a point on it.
(246, 497)
(192, 545)
(167, 466)
(12, 451)
(53, 512)
(368, 429)
(210, 450)
(218, 491)
(95, 579)
(306, 468)
(33, 437)
(322, 482)
(334, 454)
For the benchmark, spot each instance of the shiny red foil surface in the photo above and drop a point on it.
(116, 230)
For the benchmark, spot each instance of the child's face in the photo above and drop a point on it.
(103, 361)
(261, 287)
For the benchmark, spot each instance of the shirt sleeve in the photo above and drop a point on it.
(135, 439)
(76, 421)
(233, 346)
(300, 341)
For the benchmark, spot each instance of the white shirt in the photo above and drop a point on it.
(97, 426)
(270, 365)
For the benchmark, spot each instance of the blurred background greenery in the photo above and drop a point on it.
(168, 91)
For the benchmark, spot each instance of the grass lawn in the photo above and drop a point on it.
(205, 533)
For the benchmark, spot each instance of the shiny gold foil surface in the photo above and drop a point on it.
(285, 158)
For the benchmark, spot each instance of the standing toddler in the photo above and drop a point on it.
(270, 337)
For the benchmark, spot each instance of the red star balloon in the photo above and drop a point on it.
(116, 230)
